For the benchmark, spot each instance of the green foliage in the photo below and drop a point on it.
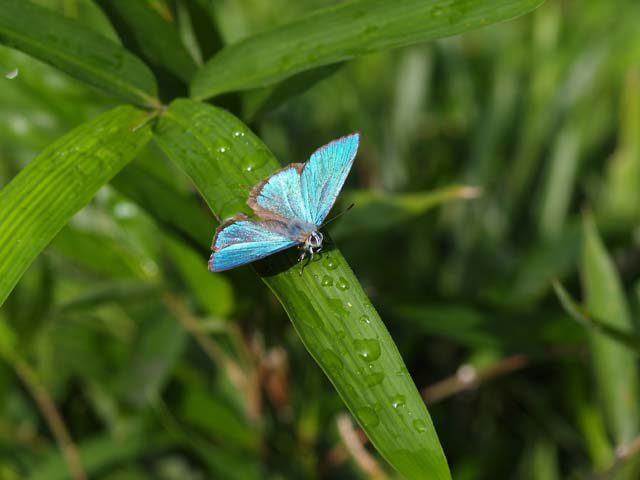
(76, 50)
(37, 203)
(512, 311)
(343, 32)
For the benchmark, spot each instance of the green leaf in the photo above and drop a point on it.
(377, 211)
(8, 339)
(212, 290)
(115, 260)
(175, 211)
(214, 416)
(147, 33)
(628, 338)
(204, 29)
(614, 365)
(620, 205)
(127, 291)
(345, 31)
(37, 203)
(492, 329)
(158, 346)
(263, 100)
(327, 306)
(103, 451)
(78, 51)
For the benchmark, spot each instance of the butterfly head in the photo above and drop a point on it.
(313, 242)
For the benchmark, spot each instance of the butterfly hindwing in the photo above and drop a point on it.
(324, 175)
(242, 240)
(279, 196)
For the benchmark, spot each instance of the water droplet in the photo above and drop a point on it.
(397, 401)
(367, 348)
(255, 160)
(331, 362)
(326, 281)
(402, 371)
(338, 308)
(419, 425)
(367, 417)
(238, 133)
(330, 263)
(342, 284)
(373, 379)
(12, 74)
(222, 146)
(365, 319)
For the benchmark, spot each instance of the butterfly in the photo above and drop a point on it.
(291, 204)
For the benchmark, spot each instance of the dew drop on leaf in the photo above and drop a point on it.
(326, 281)
(330, 263)
(373, 379)
(368, 349)
(397, 401)
(331, 362)
(222, 146)
(419, 425)
(254, 161)
(367, 416)
(342, 284)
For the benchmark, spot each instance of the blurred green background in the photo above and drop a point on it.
(160, 369)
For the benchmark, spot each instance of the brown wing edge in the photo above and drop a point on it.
(252, 201)
(236, 218)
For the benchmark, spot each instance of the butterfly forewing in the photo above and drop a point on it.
(242, 240)
(324, 175)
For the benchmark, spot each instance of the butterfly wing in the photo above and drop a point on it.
(279, 196)
(306, 192)
(324, 175)
(242, 240)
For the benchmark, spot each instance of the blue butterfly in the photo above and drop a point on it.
(292, 203)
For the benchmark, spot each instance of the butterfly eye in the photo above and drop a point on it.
(315, 240)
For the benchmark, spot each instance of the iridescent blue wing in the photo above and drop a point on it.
(241, 240)
(324, 175)
(279, 196)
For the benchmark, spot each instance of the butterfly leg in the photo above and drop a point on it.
(301, 258)
(307, 253)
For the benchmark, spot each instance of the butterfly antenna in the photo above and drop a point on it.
(337, 216)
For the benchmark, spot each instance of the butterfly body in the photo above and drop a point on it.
(292, 204)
